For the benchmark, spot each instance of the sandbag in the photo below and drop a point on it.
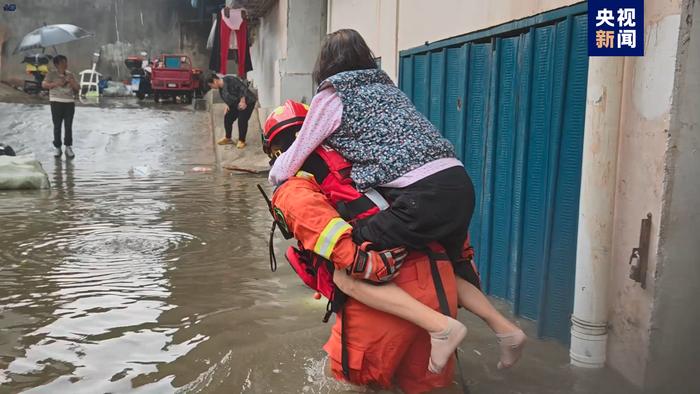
(116, 89)
(22, 172)
(6, 150)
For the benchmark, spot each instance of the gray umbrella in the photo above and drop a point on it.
(51, 35)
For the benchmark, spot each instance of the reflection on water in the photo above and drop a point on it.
(116, 280)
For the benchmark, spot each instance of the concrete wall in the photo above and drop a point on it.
(390, 26)
(642, 171)
(303, 44)
(266, 52)
(674, 358)
(121, 28)
(3, 38)
(644, 133)
(288, 43)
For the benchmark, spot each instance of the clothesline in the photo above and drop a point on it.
(229, 41)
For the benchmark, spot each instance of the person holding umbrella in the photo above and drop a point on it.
(61, 83)
(62, 87)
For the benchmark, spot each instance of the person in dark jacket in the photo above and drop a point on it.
(240, 102)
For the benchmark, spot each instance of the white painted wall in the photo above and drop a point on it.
(390, 26)
(267, 50)
(674, 359)
(388, 40)
(2, 41)
(305, 30)
(285, 51)
(644, 126)
(648, 83)
(361, 15)
(421, 21)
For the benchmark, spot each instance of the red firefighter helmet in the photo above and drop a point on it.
(284, 117)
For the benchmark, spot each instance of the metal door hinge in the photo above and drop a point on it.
(639, 258)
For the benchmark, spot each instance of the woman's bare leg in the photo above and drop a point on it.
(511, 339)
(445, 332)
(472, 299)
(393, 300)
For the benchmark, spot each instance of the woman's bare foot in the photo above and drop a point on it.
(443, 344)
(511, 345)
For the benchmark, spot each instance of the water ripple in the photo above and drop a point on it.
(116, 280)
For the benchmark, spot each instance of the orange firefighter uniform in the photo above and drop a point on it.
(383, 350)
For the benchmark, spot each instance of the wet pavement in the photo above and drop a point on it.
(135, 273)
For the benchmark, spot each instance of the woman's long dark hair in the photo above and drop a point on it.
(343, 50)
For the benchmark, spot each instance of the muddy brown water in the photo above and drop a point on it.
(136, 274)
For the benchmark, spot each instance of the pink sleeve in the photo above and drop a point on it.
(323, 119)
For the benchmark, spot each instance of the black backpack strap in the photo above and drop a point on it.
(437, 281)
(337, 306)
(271, 248)
(315, 165)
(344, 358)
(369, 199)
(442, 301)
(349, 210)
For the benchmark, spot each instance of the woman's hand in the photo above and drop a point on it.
(227, 109)
(62, 81)
(242, 104)
(49, 85)
(73, 83)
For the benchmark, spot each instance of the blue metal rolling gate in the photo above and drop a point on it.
(512, 101)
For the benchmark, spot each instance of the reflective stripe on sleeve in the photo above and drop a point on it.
(329, 237)
(305, 175)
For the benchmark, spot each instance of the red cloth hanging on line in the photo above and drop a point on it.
(242, 41)
(242, 44)
(225, 40)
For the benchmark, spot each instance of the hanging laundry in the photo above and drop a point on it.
(244, 62)
(232, 18)
(215, 59)
(248, 59)
(224, 41)
(229, 39)
(212, 32)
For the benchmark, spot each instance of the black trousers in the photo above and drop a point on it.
(62, 113)
(436, 208)
(243, 118)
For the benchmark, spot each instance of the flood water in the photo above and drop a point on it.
(135, 273)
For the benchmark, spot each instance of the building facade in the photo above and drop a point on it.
(288, 40)
(121, 28)
(568, 154)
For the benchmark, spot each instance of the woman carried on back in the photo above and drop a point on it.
(359, 112)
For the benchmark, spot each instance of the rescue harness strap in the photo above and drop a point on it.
(350, 209)
(271, 246)
(371, 198)
(337, 306)
(444, 306)
(344, 362)
(273, 259)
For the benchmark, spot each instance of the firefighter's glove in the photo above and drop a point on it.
(377, 265)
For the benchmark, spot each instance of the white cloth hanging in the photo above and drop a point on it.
(234, 19)
(210, 40)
